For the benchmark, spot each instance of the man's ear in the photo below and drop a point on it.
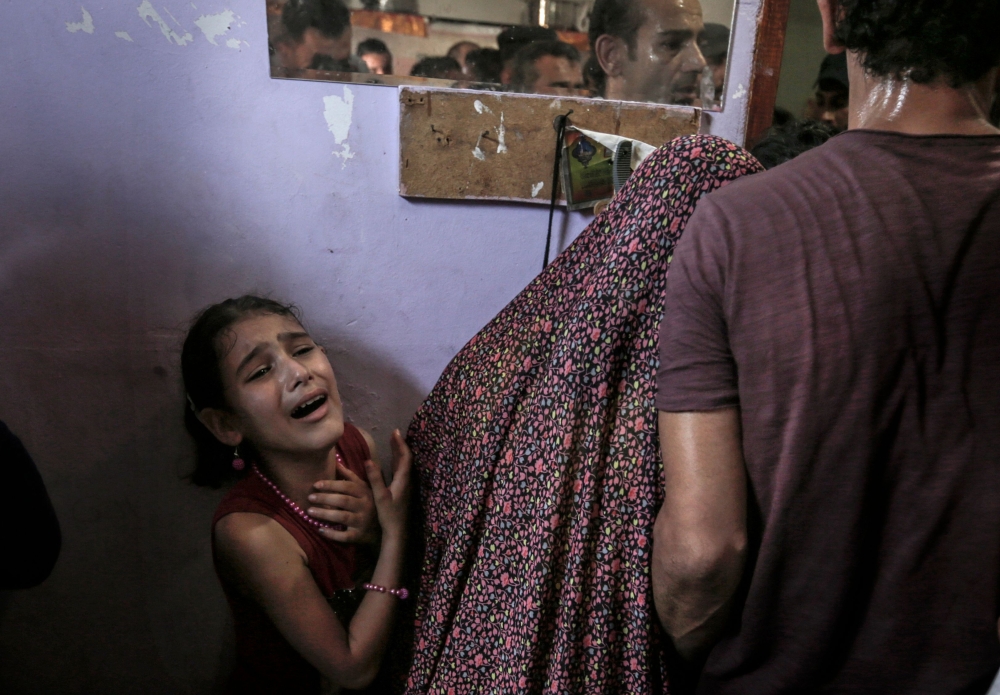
(611, 53)
(222, 424)
(829, 10)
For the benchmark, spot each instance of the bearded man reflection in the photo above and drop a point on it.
(648, 49)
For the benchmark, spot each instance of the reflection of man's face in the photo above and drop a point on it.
(314, 42)
(666, 65)
(830, 107)
(378, 63)
(557, 75)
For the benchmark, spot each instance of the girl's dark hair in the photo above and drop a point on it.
(203, 351)
(923, 40)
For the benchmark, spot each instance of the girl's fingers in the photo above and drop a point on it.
(344, 487)
(375, 479)
(333, 516)
(401, 456)
(336, 501)
(347, 474)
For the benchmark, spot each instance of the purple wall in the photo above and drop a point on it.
(140, 181)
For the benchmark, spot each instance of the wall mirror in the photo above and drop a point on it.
(653, 51)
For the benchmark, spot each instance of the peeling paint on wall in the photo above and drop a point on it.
(537, 188)
(338, 112)
(215, 25)
(236, 43)
(501, 136)
(124, 35)
(481, 108)
(147, 12)
(477, 151)
(86, 26)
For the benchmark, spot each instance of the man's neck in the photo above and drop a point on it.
(295, 476)
(903, 106)
(615, 89)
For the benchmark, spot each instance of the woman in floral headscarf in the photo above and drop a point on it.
(539, 466)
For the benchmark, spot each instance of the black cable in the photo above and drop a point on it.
(560, 125)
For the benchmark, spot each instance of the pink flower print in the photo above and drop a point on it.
(453, 567)
(641, 598)
(568, 367)
(547, 326)
(615, 564)
(602, 390)
(577, 485)
(539, 466)
(555, 685)
(633, 493)
(634, 663)
(527, 363)
(595, 334)
(639, 423)
(528, 603)
(587, 641)
(642, 541)
(642, 306)
(504, 579)
(524, 551)
(479, 659)
(509, 456)
(522, 682)
(479, 391)
(568, 440)
(554, 521)
(506, 508)
(634, 246)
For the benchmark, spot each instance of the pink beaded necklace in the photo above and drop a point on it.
(294, 507)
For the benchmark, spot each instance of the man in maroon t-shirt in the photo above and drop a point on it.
(829, 387)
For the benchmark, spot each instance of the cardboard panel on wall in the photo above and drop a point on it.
(499, 146)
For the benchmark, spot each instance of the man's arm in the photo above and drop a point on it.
(700, 535)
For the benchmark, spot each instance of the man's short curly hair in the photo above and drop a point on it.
(923, 40)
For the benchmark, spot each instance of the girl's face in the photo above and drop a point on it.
(280, 387)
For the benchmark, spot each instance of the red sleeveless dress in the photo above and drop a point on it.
(265, 663)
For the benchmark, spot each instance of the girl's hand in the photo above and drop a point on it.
(392, 501)
(347, 501)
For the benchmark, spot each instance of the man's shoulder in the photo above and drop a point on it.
(756, 192)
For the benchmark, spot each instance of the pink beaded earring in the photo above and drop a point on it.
(238, 462)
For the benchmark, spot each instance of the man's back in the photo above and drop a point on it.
(849, 303)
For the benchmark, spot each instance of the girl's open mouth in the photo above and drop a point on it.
(309, 407)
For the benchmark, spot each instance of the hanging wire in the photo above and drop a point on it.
(560, 125)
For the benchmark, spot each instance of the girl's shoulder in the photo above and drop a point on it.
(248, 495)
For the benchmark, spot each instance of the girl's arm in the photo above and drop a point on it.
(266, 564)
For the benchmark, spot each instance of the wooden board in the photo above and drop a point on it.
(768, 50)
(498, 146)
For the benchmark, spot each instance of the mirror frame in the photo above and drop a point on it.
(769, 46)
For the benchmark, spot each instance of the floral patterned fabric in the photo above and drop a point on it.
(538, 460)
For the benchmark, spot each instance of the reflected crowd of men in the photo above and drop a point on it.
(654, 51)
